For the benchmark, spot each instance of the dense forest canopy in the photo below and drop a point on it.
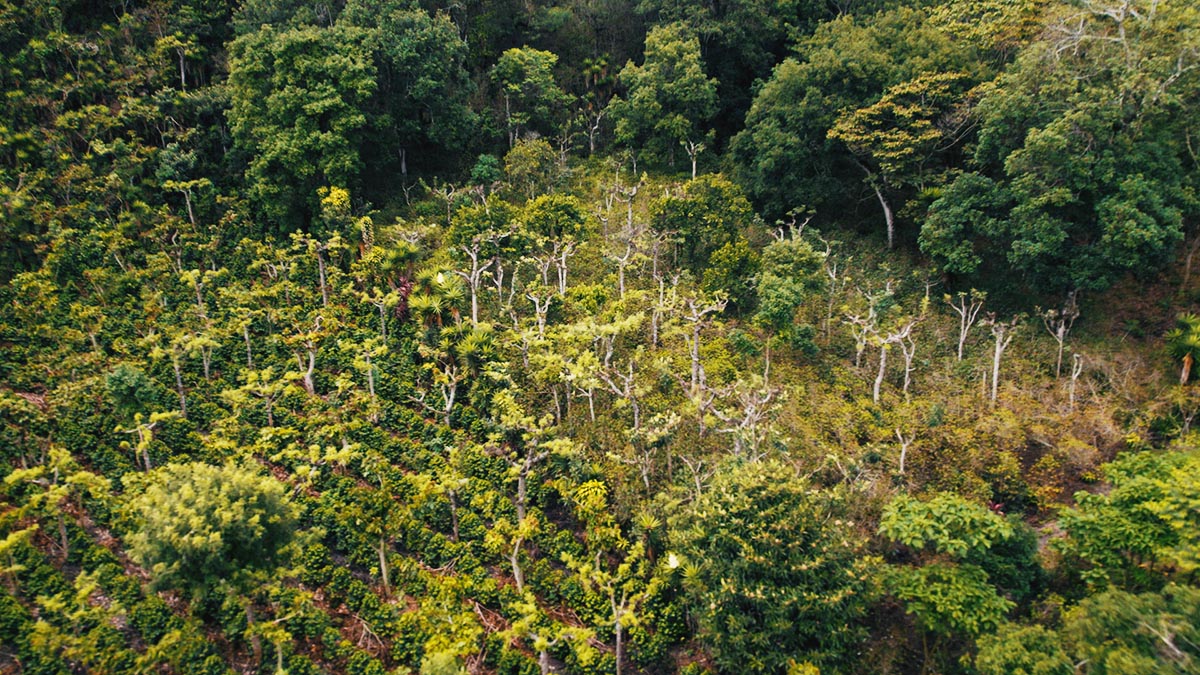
(599, 336)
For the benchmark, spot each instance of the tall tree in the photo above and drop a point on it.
(531, 98)
(1084, 169)
(668, 99)
(424, 85)
(297, 112)
(785, 156)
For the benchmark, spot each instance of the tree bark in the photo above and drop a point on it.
(879, 377)
(888, 217)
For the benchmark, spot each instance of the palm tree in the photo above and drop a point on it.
(1183, 342)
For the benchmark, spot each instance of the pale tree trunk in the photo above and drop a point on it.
(383, 565)
(249, 352)
(883, 350)
(1076, 371)
(321, 275)
(904, 443)
(515, 560)
(888, 217)
(967, 306)
(1003, 333)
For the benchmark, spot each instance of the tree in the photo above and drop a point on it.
(424, 85)
(1142, 532)
(740, 41)
(969, 213)
(623, 587)
(531, 96)
(946, 524)
(264, 385)
(1022, 650)
(1058, 323)
(967, 307)
(473, 233)
(668, 98)
(531, 167)
(1154, 633)
(948, 595)
(894, 138)
(1003, 333)
(791, 272)
(708, 214)
(297, 110)
(1078, 192)
(56, 485)
(199, 526)
(770, 571)
(785, 156)
(949, 599)
(557, 224)
(544, 634)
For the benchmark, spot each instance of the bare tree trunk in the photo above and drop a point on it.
(521, 488)
(249, 353)
(321, 274)
(515, 560)
(620, 631)
(1076, 370)
(383, 565)
(999, 351)
(1003, 332)
(888, 217)
(904, 443)
(879, 377)
(967, 306)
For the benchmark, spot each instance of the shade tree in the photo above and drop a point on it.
(423, 85)
(668, 99)
(529, 94)
(298, 99)
(949, 596)
(1069, 191)
(770, 570)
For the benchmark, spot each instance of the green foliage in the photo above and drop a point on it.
(1154, 633)
(297, 101)
(668, 98)
(1183, 343)
(423, 83)
(949, 598)
(947, 524)
(1085, 191)
(531, 167)
(1013, 564)
(967, 214)
(530, 95)
(131, 389)
(1136, 533)
(731, 271)
(199, 526)
(785, 155)
(791, 271)
(1022, 650)
(710, 213)
(770, 570)
(490, 489)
